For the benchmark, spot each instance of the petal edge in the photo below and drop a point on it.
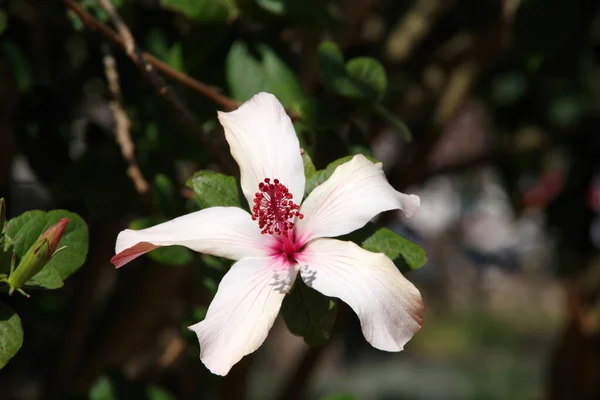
(388, 305)
(221, 231)
(240, 316)
(356, 192)
(263, 142)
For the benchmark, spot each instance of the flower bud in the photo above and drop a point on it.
(37, 256)
(32, 262)
(54, 234)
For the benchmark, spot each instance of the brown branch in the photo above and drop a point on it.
(150, 73)
(207, 90)
(123, 126)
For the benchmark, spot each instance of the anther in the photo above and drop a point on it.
(274, 208)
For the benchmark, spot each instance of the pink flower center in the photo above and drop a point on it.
(275, 212)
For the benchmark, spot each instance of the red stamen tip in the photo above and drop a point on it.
(274, 208)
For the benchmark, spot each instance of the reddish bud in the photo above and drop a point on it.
(54, 234)
(37, 256)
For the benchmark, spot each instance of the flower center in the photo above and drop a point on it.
(274, 208)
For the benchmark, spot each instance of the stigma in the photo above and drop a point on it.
(274, 209)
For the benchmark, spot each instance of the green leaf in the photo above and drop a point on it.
(274, 6)
(168, 255)
(309, 167)
(340, 396)
(75, 238)
(204, 11)
(322, 175)
(102, 389)
(171, 54)
(116, 386)
(11, 334)
(395, 121)
(331, 65)
(405, 254)
(47, 278)
(95, 8)
(157, 393)
(172, 255)
(214, 189)
(309, 314)
(249, 73)
(174, 57)
(360, 77)
(367, 79)
(25, 229)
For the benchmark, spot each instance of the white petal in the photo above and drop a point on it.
(243, 311)
(220, 231)
(355, 193)
(388, 305)
(264, 144)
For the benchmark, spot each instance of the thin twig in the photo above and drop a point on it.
(207, 90)
(123, 126)
(211, 92)
(156, 80)
(124, 32)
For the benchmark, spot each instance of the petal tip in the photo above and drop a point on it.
(411, 205)
(131, 253)
(216, 371)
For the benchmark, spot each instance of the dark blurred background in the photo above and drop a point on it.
(503, 101)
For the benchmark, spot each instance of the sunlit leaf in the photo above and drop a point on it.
(367, 79)
(309, 167)
(250, 71)
(214, 189)
(405, 254)
(360, 77)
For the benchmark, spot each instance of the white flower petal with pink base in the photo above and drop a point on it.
(388, 305)
(243, 311)
(355, 193)
(264, 144)
(220, 231)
